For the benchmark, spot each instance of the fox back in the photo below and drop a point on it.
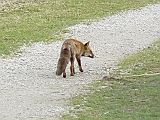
(70, 50)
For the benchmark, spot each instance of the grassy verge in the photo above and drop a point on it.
(29, 21)
(126, 98)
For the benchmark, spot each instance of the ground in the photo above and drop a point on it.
(29, 88)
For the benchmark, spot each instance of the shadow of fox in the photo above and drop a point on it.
(70, 50)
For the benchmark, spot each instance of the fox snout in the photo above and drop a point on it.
(88, 54)
(91, 56)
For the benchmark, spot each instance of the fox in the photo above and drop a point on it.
(71, 49)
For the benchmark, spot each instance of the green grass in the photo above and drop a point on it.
(27, 22)
(126, 98)
(145, 62)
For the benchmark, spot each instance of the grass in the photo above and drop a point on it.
(144, 62)
(29, 21)
(123, 98)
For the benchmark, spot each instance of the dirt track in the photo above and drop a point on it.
(29, 88)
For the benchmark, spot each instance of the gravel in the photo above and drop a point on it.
(29, 88)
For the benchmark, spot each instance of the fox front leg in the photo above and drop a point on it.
(79, 63)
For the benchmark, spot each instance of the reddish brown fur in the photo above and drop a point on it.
(70, 50)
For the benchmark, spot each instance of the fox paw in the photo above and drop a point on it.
(81, 69)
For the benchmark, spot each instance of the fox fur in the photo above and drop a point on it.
(70, 50)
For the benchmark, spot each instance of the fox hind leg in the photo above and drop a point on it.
(72, 67)
(64, 74)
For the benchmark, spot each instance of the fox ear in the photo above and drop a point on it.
(87, 44)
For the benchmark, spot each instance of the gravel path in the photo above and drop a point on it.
(29, 88)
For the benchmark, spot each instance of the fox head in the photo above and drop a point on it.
(87, 51)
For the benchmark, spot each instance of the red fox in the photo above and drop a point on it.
(70, 50)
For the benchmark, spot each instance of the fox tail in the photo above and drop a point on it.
(62, 64)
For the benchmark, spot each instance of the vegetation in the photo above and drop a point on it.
(28, 21)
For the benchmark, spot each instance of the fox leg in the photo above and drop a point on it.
(72, 67)
(64, 74)
(79, 63)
